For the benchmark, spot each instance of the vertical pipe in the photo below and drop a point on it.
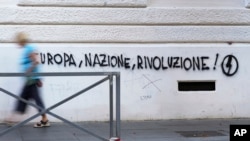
(111, 113)
(118, 108)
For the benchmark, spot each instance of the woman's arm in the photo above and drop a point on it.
(35, 62)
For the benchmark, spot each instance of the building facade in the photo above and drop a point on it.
(178, 59)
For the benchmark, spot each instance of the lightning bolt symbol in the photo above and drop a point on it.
(229, 63)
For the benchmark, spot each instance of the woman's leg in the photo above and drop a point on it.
(21, 106)
(35, 94)
(38, 100)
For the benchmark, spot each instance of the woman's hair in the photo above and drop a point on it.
(22, 37)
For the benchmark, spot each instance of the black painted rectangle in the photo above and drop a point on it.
(196, 86)
(239, 132)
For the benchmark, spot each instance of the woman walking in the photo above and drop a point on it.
(30, 64)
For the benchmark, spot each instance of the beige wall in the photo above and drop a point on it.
(8, 2)
(207, 28)
(172, 3)
(196, 3)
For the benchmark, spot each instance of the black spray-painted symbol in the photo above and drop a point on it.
(230, 65)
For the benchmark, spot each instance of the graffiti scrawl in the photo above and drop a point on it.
(229, 64)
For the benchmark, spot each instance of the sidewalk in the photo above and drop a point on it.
(168, 130)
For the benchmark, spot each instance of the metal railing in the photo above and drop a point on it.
(109, 76)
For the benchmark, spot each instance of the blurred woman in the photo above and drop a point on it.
(30, 64)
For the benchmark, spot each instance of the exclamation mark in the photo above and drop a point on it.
(217, 56)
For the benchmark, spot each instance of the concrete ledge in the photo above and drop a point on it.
(129, 34)
(247, 3)
(85, 3)
(123, 16)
